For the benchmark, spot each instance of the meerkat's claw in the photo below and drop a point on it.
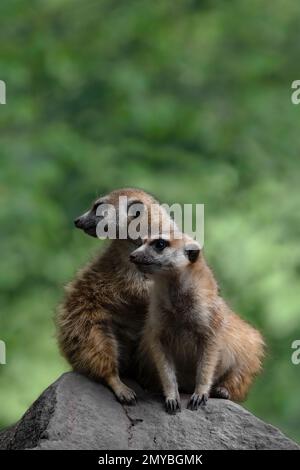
(197, 400)
(204, 399)
(172, 405)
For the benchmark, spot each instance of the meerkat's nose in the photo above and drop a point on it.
(78, 222)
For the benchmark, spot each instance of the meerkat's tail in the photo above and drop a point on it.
(247, 348)
(236, 385)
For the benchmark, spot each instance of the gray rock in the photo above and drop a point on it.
(76, 413)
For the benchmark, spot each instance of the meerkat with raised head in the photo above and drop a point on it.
(102, 315)
(195, 342)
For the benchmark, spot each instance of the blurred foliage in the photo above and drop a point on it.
(187, 99)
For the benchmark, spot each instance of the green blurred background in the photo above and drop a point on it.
(190, 100)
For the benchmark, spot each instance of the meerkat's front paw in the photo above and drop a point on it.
(125, 395)
(197, 400)
(172, 405)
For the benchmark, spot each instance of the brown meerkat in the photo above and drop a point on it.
(101, 317)
(195, 342)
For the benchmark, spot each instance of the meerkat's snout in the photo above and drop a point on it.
(165, 254)
(88, 223)
(144, 261)
(77, 222)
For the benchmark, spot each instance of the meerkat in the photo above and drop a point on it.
(196, 343)
(102, 314)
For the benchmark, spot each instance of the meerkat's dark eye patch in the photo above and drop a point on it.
(96, 205)
(160, 244)
(135, 209)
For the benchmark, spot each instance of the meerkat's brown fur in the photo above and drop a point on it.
(193, 339)
(101, 317)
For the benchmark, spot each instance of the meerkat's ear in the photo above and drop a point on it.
(192, 251)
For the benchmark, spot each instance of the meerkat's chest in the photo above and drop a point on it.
(183, 319)
(184, 349)
(183, 332)
(183, 339)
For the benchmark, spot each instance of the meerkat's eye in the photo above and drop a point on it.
(160, 244)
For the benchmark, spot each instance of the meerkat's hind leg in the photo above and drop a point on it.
(101, 353)
(124, 394)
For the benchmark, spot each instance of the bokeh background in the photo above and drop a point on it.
(190, 100)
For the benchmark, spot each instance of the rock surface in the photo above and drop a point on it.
(76, 413)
